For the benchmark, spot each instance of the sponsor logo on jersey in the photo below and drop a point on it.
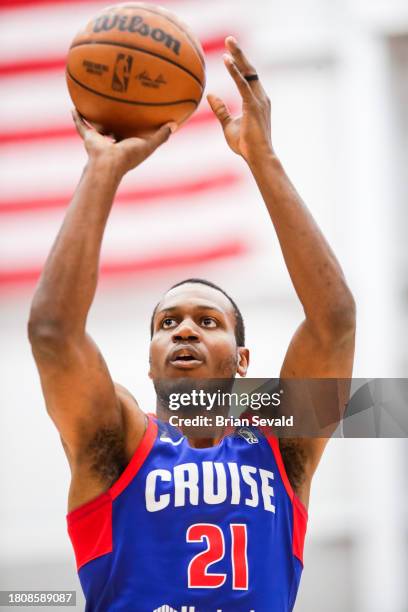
(167, 608)
(209, 483)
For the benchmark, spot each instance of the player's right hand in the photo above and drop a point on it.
(125, 154)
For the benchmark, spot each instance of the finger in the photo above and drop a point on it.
(81, 126)
(161, 135)
(242, 62)
(243, 85)
(244, 65)
(98, 127)
(219, 109)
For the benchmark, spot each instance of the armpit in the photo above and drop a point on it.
(294, 459)
(107, 455)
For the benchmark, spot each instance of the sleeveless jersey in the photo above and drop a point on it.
(183, 529)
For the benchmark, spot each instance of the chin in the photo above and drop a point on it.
(180, 383)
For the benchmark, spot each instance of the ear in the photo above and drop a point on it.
(243, 361)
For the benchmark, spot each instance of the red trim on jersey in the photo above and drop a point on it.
(137, 460)
(90, 529)
(90, 525)
(274, 444)
(300, 514)
(299, 528)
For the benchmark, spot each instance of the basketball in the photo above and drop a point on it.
(134, 67)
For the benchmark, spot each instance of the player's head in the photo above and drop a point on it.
(197, 331)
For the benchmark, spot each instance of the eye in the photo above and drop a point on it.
(167, 323)
(209, 322)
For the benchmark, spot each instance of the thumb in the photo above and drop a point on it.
(219, 109)
(81, 127)
(161, 135)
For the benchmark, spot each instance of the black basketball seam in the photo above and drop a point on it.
(125, 46)
(193, 42)
(97, 93)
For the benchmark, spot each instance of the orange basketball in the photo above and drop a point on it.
(134, 67)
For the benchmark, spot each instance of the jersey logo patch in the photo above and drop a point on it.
(248, 435)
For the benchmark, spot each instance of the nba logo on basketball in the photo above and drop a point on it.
(121, 72)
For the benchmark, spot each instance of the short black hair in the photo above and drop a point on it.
(239, 321)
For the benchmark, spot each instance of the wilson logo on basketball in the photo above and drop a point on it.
(136, 24)
(121, 72)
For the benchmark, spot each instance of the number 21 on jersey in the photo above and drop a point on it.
(198, 575)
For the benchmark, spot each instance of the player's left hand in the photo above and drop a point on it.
(248, 135)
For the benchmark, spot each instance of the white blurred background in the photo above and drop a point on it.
(337, 75)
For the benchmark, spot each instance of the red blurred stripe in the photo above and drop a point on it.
(15, 4)
(66, 131)
(47, 64)
(134, 197)
(233, 248)
(51, 133)
(42, 64)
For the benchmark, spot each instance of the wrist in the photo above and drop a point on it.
(106, 167)
(262, 158)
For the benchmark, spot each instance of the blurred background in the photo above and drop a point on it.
(337, 75)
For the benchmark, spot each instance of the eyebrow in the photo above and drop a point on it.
(198, 307)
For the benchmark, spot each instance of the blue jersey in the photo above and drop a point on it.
(183, 529)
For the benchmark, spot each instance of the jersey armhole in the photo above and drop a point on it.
(90, 525)
(300, 514)
(139, 457)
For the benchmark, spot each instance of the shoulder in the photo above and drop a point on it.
(134, 420)
(108, 452)
(126, 396)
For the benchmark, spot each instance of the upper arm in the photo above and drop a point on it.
(312, 356)
(99, 422)
(78, 390)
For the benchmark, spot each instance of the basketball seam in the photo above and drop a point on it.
(136, 103)
(180, 29)
(126, 46)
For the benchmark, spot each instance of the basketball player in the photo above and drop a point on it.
(157, 523)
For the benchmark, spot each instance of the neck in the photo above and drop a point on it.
(204, 442)
(199, 426)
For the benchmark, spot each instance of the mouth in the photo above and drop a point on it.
(186, 359)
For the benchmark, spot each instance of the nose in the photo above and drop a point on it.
(186, 332)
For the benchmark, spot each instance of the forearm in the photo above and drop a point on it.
(315, 272)
(69, 279)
